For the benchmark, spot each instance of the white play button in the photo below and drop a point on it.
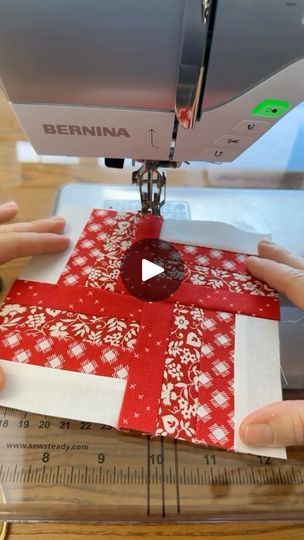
(142, 264)
(149, 270)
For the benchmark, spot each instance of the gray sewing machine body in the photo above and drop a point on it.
(155, 81)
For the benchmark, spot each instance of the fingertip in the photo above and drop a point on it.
(66, 239)
(277, 424)
(58, 218)
(255, 430)
(256, 435)
(265, 246)
(266, 241)
(58, 225)
(8, 211)
(261, 416)
(243, 429)
(252, 262)
(242, 433)
(252, 258)
(244, 425)
(46, 243)
(10, 204)
(62, 242)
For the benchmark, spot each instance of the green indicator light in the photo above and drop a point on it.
(271, 108)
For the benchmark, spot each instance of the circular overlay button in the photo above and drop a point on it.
(152, 269)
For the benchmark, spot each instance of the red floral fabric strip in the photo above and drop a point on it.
(81, 300)
(226, 280)
(197, 402)
(179, 393)
(64, 340)
(96, 301)
(141, 400)
(266, 307)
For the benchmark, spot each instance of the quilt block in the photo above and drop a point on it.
(175, 359)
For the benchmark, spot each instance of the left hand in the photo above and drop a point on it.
(29, 238)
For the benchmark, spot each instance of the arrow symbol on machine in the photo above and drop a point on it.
(152, 132)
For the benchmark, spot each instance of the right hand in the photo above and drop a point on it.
(277, 424)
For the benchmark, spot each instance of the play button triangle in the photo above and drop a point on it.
(150, 270)
(142, 264)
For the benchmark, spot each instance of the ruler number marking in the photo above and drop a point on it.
(156, 459)
(44, 424)
(85, 425)
(46, 457)
(101, 458)
(24, 424)
(209, 459)
(64, 424)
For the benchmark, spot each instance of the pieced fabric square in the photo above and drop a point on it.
(172, 368)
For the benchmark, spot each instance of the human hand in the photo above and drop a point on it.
(277, 424)
(29, 238)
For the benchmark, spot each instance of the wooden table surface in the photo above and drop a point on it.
(32, 183)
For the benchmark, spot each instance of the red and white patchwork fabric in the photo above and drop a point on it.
(176, 356)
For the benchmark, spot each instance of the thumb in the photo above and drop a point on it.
(1, 379)
(277, 424)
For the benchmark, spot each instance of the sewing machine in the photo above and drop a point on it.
(160, 82)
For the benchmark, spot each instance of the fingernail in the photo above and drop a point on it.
(58, 218)
(266, 241)
(9, 204)
(259, 435)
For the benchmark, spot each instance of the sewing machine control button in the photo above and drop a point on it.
(219, 154)
(272, 108)
(233, 141)
(252, 127)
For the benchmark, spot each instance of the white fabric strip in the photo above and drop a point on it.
(64, 394)
(212, 234)
(48, 268)
(257, 379)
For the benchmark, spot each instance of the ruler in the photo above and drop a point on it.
(58, 469)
